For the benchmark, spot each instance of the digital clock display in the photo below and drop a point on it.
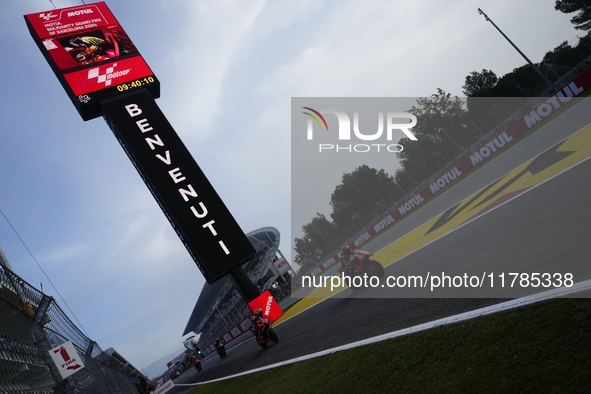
(135, 84)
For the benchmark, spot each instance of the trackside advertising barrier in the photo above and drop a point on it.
(164, 388)
(574, 88)
(239, 329)
(177, 359)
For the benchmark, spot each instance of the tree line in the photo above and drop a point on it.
(447, 126)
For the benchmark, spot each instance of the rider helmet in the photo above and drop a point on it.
(258, 312)
(347, 250)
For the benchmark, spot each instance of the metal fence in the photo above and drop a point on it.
(31, 324)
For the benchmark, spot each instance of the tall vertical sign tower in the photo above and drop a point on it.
(104, 75)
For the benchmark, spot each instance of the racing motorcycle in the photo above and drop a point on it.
(265, 334)
(197, 365)
(221, 348)
(360, 265)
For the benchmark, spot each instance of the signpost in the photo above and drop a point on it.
(66, 359)
(191, 204)
(103, 74)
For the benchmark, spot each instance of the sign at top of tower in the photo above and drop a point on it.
(91, 55)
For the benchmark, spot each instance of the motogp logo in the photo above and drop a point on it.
(47, 17)
(108, 76)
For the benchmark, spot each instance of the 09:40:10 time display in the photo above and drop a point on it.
(135, 84)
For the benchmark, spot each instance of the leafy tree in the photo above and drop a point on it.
(320, 229)
(564, 57)
(307, 254)
(362, 193)
(582, 20)
(441, 135)
(440, 117)
(524, 81)
(521, 80)
(478, 83)
(311, 248)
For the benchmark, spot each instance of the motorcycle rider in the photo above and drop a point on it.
(256, 320)
(197, 364)
(351, 258)
(348, 259)
(88, 49)
(219, 345)
(261, 328)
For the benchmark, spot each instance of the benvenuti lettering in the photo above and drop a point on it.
(186, 191)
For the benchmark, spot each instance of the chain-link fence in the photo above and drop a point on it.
(31, 324)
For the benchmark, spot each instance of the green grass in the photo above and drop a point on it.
(541, 349)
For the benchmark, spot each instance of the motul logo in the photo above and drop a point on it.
(546, 108)
(268, 307)
(267, 303)
(81, 12)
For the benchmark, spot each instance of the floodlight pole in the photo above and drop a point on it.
(517, 49)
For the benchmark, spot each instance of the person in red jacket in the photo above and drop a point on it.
(348, 259)
(257, 319)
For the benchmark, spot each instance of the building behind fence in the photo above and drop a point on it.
(31, 324)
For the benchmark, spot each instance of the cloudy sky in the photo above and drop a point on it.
(228, 70)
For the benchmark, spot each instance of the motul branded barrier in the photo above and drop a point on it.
(241, 328)
(574, 88)
(164, 388)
